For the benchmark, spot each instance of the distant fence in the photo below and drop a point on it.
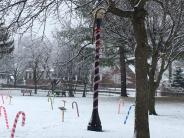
(43, 87)
(79, 88)
(171, 91)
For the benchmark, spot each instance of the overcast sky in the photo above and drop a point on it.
(54, 23)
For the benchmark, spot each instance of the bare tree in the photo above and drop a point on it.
(119, 33)
(37, 56)
(137, 14)
(19, 67)
(71, 50)
(165, 32)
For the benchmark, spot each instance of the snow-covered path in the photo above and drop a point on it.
(42, 122)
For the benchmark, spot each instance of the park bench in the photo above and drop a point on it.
(26, 91)
(60, 92)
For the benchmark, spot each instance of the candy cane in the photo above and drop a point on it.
(51, 102)
(5, 116)
(76, 107)
(54, 95)
(2, 99)
(121, 102)
(10, 97)
(128, 114)
(64, 102)
(16, 120)
(62, 110)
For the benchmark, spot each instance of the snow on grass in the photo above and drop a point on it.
(43, 122)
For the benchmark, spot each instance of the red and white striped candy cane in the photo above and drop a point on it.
(5, 116)
(16, 120)
(121, 102)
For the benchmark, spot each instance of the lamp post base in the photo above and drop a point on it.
(95, 123)
(95, 127)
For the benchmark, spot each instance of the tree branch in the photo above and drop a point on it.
(116, 11)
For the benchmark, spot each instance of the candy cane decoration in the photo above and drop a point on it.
(16, 120)
(95, 123)
(51, 102)
(5, 116)
(2, 99)
(128, 114)
(54, 96)
(64, 102)
(121, 102)
(76, 107)
(10, 97)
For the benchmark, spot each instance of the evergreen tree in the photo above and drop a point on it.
(178, 80)
(6, 43)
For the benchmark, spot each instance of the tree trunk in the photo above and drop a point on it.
(35, 80)
(170, 72)
(152, 92)
(153, 85)
(84, 91)
(15, 82)
(141, 109)
(35, 87)
(15, 78)
(70, 88)
(123, 71)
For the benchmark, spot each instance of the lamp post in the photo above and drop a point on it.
(95, 123)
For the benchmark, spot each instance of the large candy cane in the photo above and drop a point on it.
(95, 123)
(121, 102)
(5, 116)
(128, 114)
(76, 107)
(16, 120)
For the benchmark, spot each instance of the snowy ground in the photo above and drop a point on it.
(42, 122)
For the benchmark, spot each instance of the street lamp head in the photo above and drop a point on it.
(99, 13)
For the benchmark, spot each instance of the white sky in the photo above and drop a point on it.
(52, 25)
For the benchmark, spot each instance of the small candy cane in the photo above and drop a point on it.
(121, 102)
(76, 107)
(2, 99)
(128, 114)
(5, 116)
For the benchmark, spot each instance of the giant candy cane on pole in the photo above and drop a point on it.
(95, 123)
